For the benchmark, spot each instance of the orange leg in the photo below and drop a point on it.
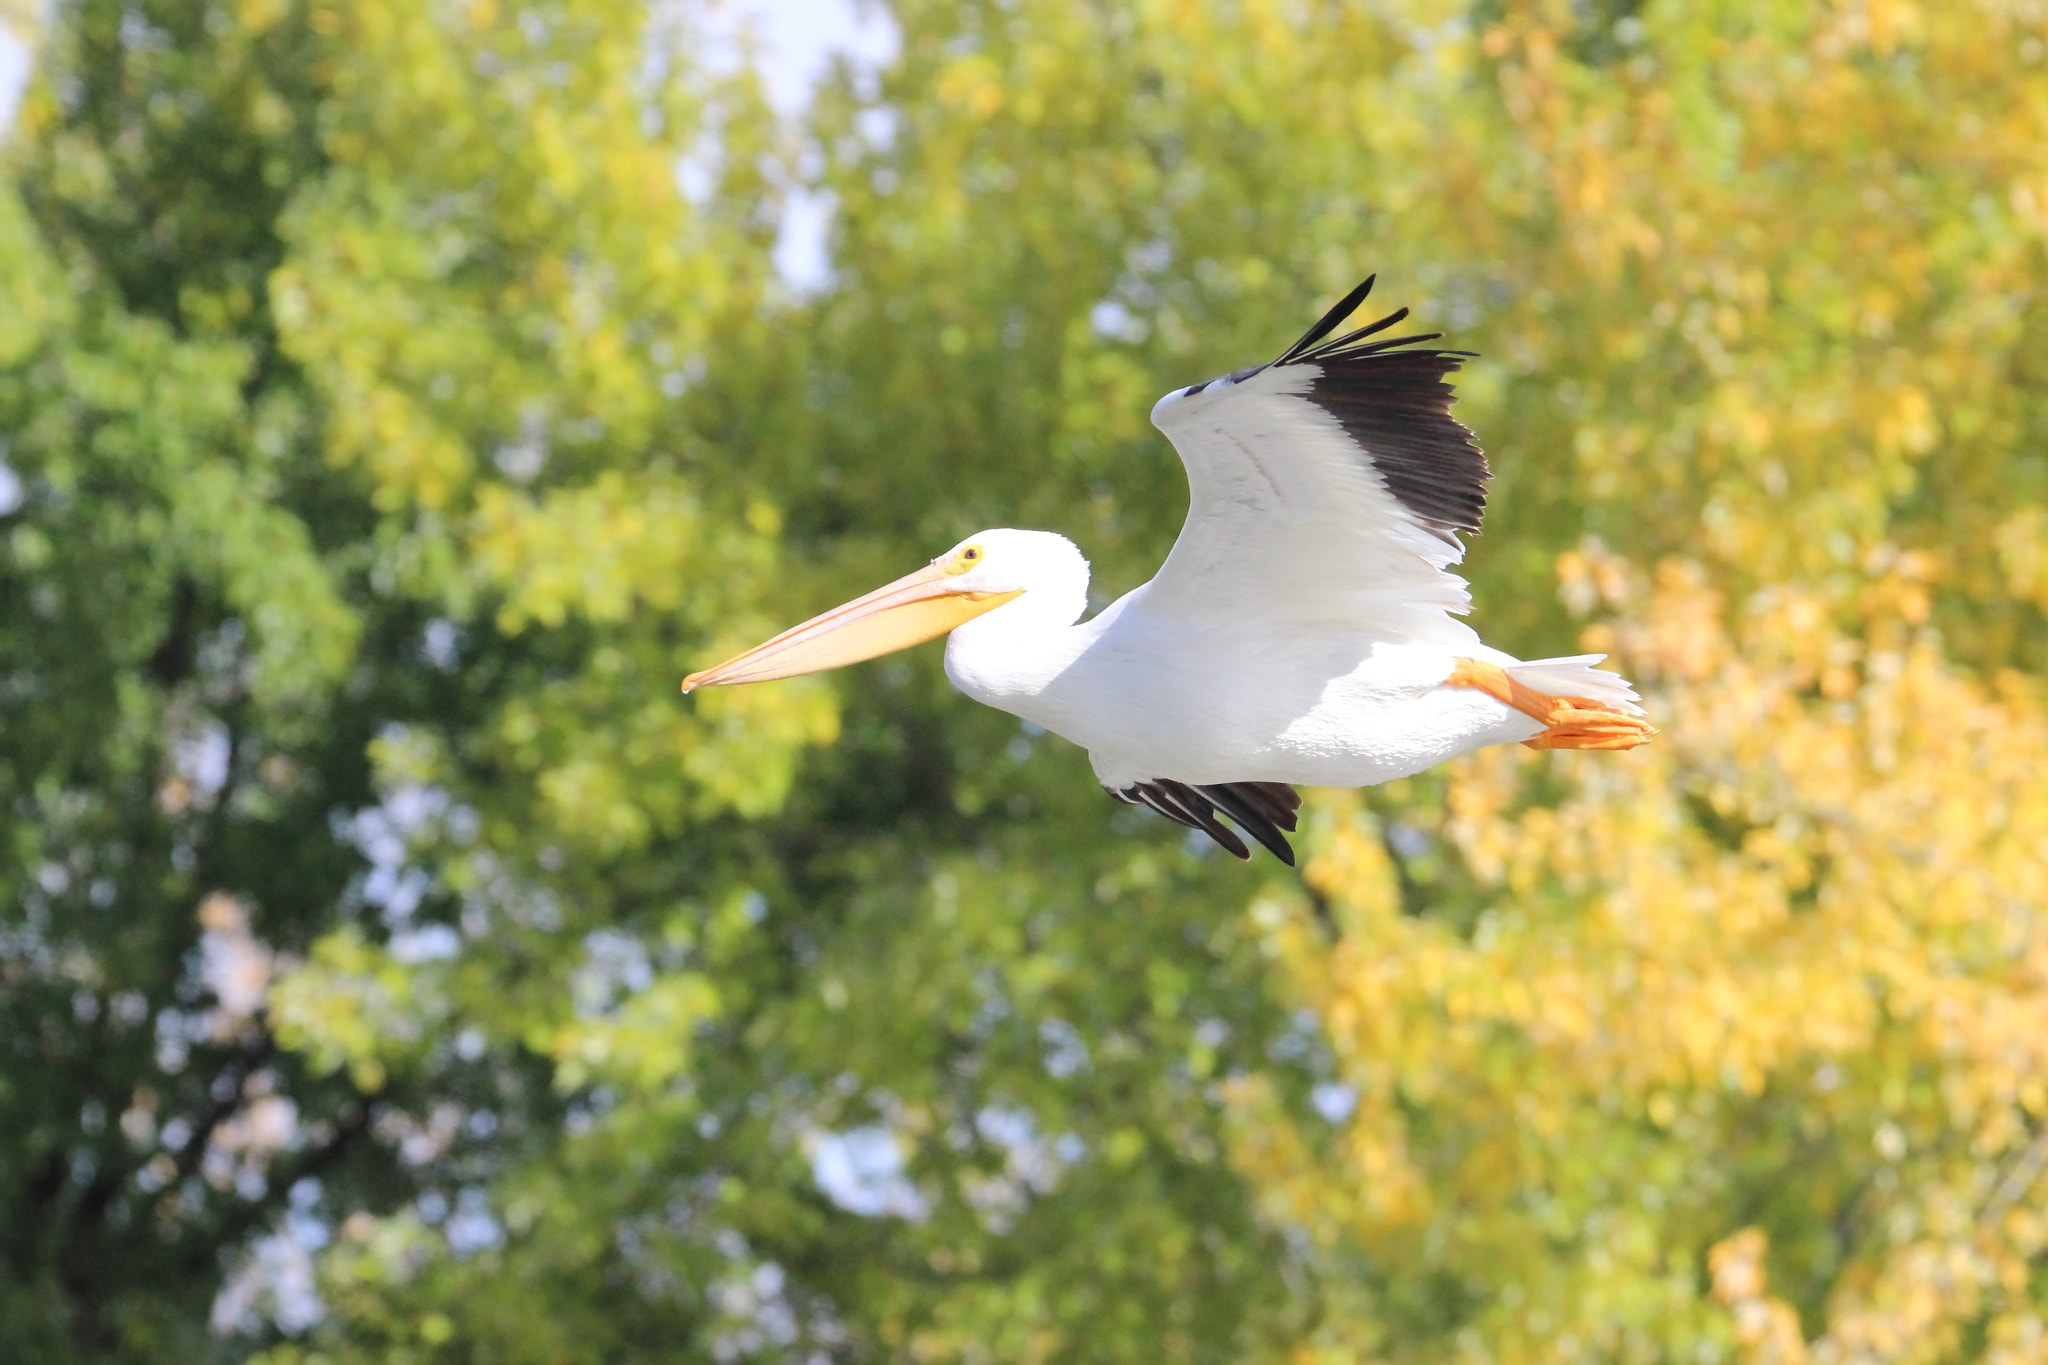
(1575, 722)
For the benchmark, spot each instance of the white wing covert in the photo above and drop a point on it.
(1329, 485)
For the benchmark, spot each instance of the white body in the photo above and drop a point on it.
(1244, 701)
(1301, 631)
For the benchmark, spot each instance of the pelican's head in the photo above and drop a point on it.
(1041, 572)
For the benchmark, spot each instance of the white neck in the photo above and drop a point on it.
(1013, 654)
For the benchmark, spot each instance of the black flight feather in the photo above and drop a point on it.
(1263, 809)
(1351, 338)
(1204, 815)
(1252, 818)
(1396, 404)
(1343, 310)
(1393, 398)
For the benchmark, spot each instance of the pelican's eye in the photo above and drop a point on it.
(964, 558)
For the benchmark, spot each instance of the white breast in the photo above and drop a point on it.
(1152, 698)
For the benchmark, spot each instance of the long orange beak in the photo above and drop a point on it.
(915, 608)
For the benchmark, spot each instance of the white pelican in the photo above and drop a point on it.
(1299, 632)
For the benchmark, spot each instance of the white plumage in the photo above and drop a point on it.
(1301, 631)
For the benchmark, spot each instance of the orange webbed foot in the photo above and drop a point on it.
(1574, 722)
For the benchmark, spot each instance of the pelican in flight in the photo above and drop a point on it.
(1301, 631)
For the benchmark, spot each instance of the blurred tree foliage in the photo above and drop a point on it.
(397, 401)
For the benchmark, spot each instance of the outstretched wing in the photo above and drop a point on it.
(1328, 485)
(1326, 488)
(1263, 809)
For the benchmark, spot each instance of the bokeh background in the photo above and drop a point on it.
(398, 396)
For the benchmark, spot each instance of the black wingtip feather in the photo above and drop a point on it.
(1336, 315)
(1393, 398)
(1351, 338)
(1262, 809)
(1196, 804)
(1281, 800)
(1396, 404)
(1257, 817)
(1339, 351)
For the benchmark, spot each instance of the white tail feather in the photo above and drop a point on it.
(1576, 677)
